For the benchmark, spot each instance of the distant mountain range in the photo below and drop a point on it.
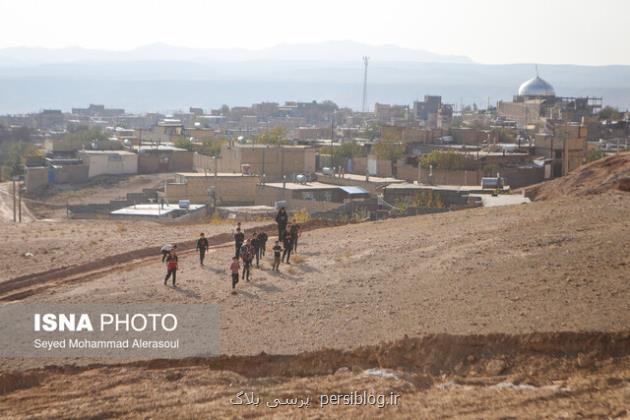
(164, 78)
(325, 51)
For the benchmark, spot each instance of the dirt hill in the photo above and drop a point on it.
(539, 375)
(606, 174)
(483, 313)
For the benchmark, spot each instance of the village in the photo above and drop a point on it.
(316, 158)
(283, 210)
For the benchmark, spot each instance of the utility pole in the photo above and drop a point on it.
(14, 202)
(332, 140)
(565, 151)
(365, 68)
(282, 163)
(20, 204)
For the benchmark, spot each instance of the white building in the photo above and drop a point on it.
(104, 162)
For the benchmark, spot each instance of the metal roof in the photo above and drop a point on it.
(299, 186)
(353, 190)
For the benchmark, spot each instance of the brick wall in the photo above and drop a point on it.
(450, 177)
(239, 190)
(272, 161)
(36, 179)
(72, 174)
(469, 136)
(165, 161)
(521, 177)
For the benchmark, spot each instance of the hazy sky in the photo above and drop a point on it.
(489, 31)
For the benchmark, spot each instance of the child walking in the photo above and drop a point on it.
(277, 251)
(234, 269)
(171, 266)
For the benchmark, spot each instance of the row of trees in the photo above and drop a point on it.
(209, 146)
(13, 155)
(386, 148)
(15, 147)
(608, 113)
(17, 144)
(448, 160)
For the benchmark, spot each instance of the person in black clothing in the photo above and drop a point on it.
(239, 238)
(202, 247)
(247, 255)
(282, 219)
(288, 246)
(295, 234)
(262, 241)
(256, 244)
(277, 250)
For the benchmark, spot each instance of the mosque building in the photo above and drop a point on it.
(536, 103)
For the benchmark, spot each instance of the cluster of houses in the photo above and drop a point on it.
(535, 137)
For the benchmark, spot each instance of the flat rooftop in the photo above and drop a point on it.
(305, 186)
(409, 186)
(501, 200)
(211, 174)
(248, 209)
(375, 179)
(152, 210)
(482, 153)
(164, 147)
(271, 146)
(108, 152)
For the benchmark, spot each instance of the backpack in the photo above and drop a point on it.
(246, 253)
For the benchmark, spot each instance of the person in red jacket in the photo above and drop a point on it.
(171, 266)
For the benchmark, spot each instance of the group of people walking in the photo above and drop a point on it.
(246, 250)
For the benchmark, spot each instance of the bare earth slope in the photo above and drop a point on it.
(554, 272)
(606, 174)
(546, 266)
(538, 375)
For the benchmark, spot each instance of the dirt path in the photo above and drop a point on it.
(55, 245)
(6, 205)
(536, 267)
(30, 284)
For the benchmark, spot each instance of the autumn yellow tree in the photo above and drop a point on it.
(389, 148)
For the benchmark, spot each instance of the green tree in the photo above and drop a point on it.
(14, 154)
(182, 143)
(372, 131)
(448, 160)
(595, 154)
(83, 136)
(209, 146)
(15, 134)
(348, 149)
(609, 113)
(506, 135)
(390, 149)
(276, 135)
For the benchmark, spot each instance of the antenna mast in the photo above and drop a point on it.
(365, 64)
